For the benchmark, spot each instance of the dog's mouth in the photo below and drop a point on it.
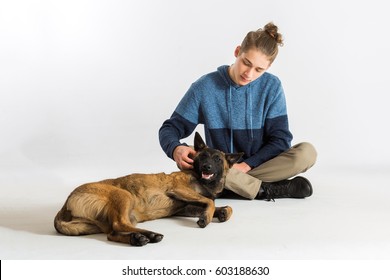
(207, 176)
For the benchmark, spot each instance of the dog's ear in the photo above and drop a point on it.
(233, 158)
(199, 144)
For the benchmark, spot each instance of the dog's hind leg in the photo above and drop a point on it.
(125, 232)
(65, 223)
(135, 237)
(123, 229)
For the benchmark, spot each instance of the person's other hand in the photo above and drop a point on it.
(242, 166)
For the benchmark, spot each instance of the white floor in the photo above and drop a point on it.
(346, 218)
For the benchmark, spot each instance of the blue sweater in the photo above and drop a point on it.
(250, 119)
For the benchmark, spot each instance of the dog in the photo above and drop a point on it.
(115, 206)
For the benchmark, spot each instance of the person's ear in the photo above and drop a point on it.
(237, 51)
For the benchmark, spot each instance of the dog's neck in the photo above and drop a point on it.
(211, 189)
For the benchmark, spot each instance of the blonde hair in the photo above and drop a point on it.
(267, 40)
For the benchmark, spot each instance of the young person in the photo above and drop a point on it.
(243, 109)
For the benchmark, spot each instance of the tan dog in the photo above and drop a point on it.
(114, 206)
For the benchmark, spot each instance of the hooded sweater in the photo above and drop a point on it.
(251, 119)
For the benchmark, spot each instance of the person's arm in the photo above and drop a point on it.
(172, 131)
(180, 125)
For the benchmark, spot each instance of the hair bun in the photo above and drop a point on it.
(272, 30)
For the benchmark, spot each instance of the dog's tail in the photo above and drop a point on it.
(66, 224)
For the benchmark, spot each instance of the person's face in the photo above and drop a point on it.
(249, 66)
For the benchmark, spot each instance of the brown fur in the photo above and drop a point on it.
(114, 206)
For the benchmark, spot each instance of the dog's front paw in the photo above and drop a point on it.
(224, 213)
(138, 239)
(203, 221)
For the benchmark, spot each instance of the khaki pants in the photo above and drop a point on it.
(297, 159)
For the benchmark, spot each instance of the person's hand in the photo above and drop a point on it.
(242, 166)
(183, 157)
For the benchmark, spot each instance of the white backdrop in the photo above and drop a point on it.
(85, 85)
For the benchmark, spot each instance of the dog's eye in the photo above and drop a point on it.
(217, 159)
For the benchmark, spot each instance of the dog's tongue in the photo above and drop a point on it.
(207, 176)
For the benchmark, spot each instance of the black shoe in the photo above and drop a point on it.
(298, 187)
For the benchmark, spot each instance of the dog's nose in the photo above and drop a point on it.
(206, 167)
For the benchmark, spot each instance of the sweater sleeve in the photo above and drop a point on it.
(181, 124)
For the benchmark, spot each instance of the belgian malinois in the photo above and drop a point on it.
(114, 206)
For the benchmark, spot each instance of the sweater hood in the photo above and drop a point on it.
(223, 71)
(247, 89)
